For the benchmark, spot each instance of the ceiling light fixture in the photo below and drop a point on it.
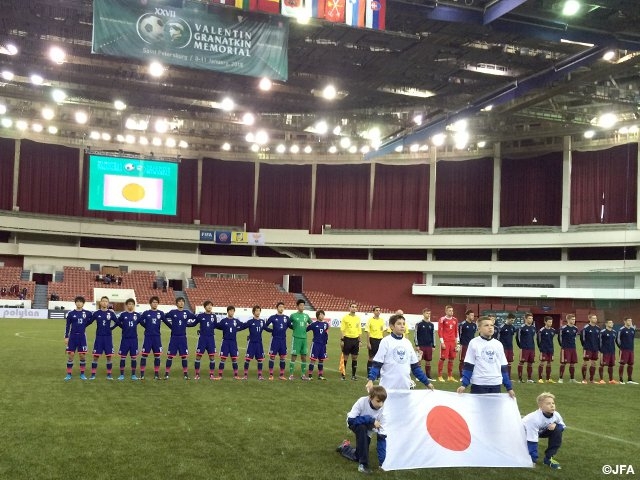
(48, 113)
(58, 96)
(37, 127)
(281, 148)
(589, 134)
(265, 84)
(94, 135)
(321, 127)
(143, 141)
(227, 104)
(607, 120)
(171, 142)
(248, 118)
(156, 141)
(81, 117)
(22, 125)
(36, 79)
(156, 69)
(3, 109)
(333, 149)
(8, 49)
(52, 129)
(345, 142)
(610, 55)
(571, 7)
(308, 149)
(329, 92)
(6, 122)
(7, 75)
(226, 146)
(255, 148)
(119, 105)
(106, 136)
(262, 137)
(57, 55)
(294, 149)
(438, 139)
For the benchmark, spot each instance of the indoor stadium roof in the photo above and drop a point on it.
(513, 69)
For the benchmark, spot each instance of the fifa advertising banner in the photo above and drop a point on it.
(192, 34)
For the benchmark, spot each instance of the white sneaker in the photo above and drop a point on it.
(573, 380)
(560, 380)
(631, 382)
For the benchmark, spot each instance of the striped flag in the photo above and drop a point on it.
(334, 11)
(315, 8)
(246, 4)
(375, 14)
(432, 429)
(354, 14)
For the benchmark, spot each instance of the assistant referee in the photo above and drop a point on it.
(351, 330)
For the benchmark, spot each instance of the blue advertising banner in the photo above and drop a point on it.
(207, 235)
(192, 34)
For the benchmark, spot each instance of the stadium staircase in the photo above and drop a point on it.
(187, 304)
(40, 298)
(308, 304)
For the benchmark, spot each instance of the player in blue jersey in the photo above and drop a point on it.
(206, 340)
(255, 349)
(106, 321)
(590, 340)
(568, 354)
(608, 350)
(466, 331)
(128, 321)
(320, 330)
(525, 338)
(75, 338)
(280, 323)
(230, 326)
(178, 320)
(504, 334)
(151, 320)
(544, 339)
(625, 340)
(425, 340)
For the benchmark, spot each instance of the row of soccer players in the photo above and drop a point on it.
(178, 320)
(597, 344)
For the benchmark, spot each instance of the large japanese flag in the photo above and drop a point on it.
(133, 192)
(428, 429)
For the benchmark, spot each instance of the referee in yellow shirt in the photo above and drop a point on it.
(350, 332)
(375, 331)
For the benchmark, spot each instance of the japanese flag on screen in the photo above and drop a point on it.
(428, 429)
(133, 192)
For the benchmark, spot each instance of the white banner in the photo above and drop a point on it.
(427, 429)
(24, 313)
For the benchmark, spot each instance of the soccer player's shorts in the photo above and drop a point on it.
(480, 389)
(375, 345)
(318, 351)
(299, 346)
(509, 355)
(608, 360)
(255, 350)
(178, 346)
(152, 343)
(590, 355)
(77, 342)
(278, 347)
(546, 356)
(568, 355)
(103, 344)
(206, 344)
(128, 346)
(463, 352)
(351, 346)
(427, 353)
(626, 357)
(449, 350)
(229, 348)
(527, 355)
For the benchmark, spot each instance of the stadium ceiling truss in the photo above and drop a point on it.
(512, 69)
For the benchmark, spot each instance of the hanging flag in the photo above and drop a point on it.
(245, 4)
(239, 237)
(255, 238)
(223, 236)
(315, 8)
(427, 429)
(334, 11)
(354, 14)
(268, 6)
(292, 8)
(375, 14)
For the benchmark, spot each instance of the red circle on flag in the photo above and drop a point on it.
(375, 5)
(448, 428)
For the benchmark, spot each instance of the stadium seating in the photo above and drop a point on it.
(78, 281)
(11, 284)
(330, 302)
(237, 292)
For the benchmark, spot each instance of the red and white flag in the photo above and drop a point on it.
(427, 429)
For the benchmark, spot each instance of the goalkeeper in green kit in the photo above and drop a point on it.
(299, 321)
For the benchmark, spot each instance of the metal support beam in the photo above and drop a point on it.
(499, 8)
(506, 93)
